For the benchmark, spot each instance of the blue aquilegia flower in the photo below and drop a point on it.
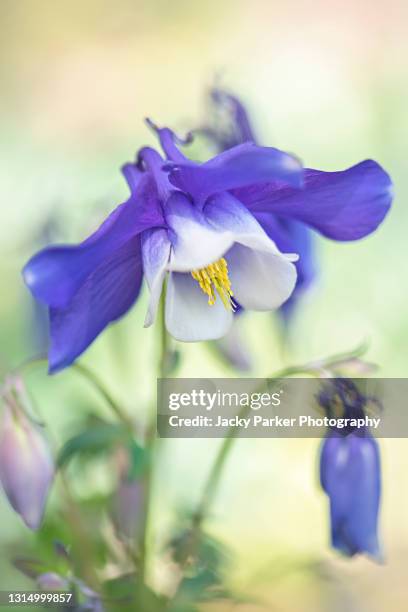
(350, 475)
(180, 221)
(290, 230)
(208, 230)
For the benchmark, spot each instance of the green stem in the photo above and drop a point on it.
(313, 368)
(95, 382)
(164, 342)
(121, 414)
(150, 443)
(214, 477)
(83, 543)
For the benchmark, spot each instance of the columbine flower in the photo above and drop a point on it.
(207, 242)
(350, 475)
(211, 229)
(26, 464)
(344, 205)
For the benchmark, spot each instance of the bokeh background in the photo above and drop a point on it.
(326, 80)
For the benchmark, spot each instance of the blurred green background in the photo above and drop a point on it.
(327, 81)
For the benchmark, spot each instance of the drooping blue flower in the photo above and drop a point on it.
(208, 228)
(350, 474)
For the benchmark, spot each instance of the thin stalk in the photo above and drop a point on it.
(314, 368)
(95, 382)
(164, 342)
(121, 414)
(221, 458)
(85, 558)
(150, 443)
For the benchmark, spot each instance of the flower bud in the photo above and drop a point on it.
(128, 507)
(50, 581)
(128, 499)
(350, 476)
(354, 367)
(26, 463)
(350, 471)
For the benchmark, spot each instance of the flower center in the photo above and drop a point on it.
(214, 279)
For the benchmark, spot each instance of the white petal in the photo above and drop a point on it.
(196, 243)
(225, 210)
(260, 280)
(233, 347)
(156, 252)
(189, 317)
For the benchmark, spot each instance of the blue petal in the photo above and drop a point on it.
(362, 523)
(155, 164)
(242, 165)
(234, 128)
(344, 205)
(132, 175)
(106, 295)
(55, 274)
(168, 142)
(350, 475)
(239, 115)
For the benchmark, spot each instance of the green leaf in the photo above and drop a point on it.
(205, 585)
(31, 567)
(139, 460)
(99, 439)
(203, 559)
(129, 592)
(182, 606)
(205, 550)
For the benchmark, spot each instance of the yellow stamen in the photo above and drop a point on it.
(214, 279)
